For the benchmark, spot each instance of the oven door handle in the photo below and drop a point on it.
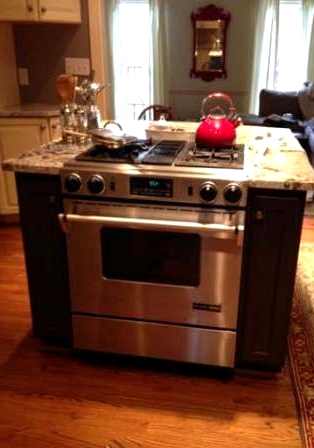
(214, 230)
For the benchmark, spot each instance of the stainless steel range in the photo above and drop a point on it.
(154, 239)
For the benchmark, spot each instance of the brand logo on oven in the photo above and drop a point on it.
(206, 307)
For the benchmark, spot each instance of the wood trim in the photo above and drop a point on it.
(11, 218)
(9, 93)
(204, 92)
(97, 33)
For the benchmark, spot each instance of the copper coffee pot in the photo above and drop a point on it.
(66, 87)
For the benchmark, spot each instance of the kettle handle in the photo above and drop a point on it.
(214, 95)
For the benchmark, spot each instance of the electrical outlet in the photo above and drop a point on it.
(23, 76)
(77, 66)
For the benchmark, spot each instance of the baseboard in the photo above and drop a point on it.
(10, 219)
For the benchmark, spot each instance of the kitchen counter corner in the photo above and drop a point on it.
(275, 159)
(46, 159)
(30, 111)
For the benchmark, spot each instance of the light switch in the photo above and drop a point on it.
(23, 76)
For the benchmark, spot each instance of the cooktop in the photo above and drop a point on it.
(166, 152)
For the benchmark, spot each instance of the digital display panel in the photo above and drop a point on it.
(151, 186)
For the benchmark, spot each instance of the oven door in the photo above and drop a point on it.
(167, 265)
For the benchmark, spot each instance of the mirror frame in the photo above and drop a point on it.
(210, 13)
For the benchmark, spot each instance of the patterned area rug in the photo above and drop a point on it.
(309, 207)
(301, 343)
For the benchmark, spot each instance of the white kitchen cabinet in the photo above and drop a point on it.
(16, 136)
(53, 11)
(54, 129)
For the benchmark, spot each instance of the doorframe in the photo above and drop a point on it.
(97, 36)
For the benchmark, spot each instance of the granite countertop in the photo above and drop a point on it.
(46, 159)
(273, 159)
(30, 111)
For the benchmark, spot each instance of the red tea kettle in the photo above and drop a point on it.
(217, 129)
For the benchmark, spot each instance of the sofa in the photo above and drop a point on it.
(290, 109)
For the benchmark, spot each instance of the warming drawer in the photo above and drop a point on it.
(155, 340)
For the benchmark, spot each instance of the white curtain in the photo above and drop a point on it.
(158, 53)
(265, 49)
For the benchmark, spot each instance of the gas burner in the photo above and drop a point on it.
(230, 157)
(219, 154)
(129, 153)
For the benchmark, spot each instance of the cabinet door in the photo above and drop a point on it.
(271, 243)
(16, 136)
(45, 255)
(18, 10)
(68, 11)
(55, 129)
(57, 11)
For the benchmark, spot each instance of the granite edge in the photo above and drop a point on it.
(29, 114)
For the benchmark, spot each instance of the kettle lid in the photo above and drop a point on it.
(216, 100)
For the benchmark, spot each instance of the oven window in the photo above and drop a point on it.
(151, 256)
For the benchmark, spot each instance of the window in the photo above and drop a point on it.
(281, 46)
(291, 63)
(131, 58)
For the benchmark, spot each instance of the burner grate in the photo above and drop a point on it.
(224, 154)
(129, 153)
(230, 157)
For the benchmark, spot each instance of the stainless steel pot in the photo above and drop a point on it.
(110, 139)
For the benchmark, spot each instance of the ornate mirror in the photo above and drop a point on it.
(210, 26)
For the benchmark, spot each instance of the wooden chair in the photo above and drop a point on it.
(155, 112)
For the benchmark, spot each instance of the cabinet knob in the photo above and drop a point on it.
(258, 215)
(42, 127)
(52, 199)
(43, 9)
(30, 7)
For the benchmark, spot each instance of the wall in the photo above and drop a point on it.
(9, 92)
(185, 93)
(41, 48)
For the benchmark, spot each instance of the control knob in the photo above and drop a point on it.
(208, 191)
(73, 183)
(232, 193)
(96, 184)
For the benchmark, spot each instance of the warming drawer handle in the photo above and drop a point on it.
(218, 230)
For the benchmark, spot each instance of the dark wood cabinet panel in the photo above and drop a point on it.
(45, 255)
(271, 243)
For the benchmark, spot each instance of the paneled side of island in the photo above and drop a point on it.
(44, 243)
(271, 242)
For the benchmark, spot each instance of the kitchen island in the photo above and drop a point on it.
(278, 175)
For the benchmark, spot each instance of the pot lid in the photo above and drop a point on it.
(111, 139)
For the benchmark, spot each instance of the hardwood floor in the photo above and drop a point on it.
(50, 397)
